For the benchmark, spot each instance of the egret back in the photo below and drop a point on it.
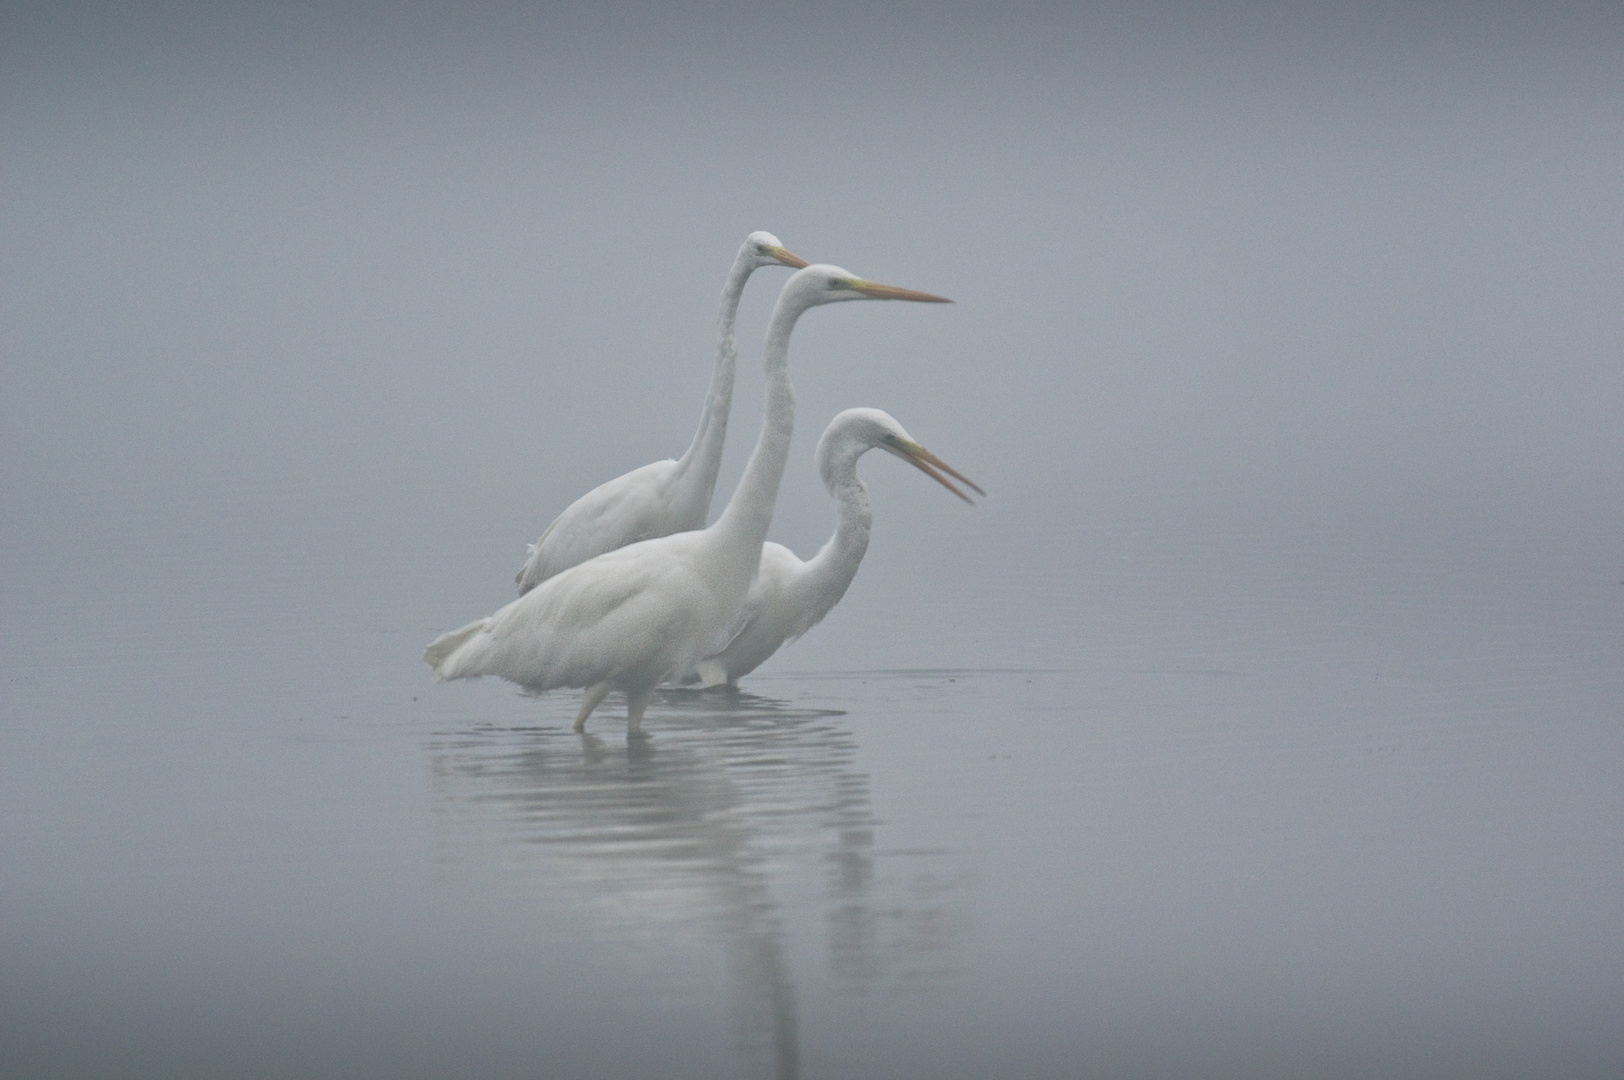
(630, 617)
(640, 505)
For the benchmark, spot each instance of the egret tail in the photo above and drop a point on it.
(446, 645)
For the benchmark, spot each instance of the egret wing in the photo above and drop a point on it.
(630, 508)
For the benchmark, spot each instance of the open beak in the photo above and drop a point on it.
(788, 257)
(934, 467)
(874, 290)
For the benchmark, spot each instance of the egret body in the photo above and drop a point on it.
(637, 616)
(789, 597)
(663, 497)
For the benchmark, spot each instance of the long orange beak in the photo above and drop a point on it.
(877, 291)
(933, 467)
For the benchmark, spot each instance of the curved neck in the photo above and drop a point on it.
(702, 460)
(750, 511)
(829, 571)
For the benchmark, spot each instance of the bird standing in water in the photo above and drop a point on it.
(637, 616)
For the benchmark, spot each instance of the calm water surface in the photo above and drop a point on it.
(1247, 833)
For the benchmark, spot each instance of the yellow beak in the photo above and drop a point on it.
(787, 257)
(933, 467)
(877, 291)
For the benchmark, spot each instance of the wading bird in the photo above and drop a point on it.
(790, 597)
(663, 497)
(635, 617)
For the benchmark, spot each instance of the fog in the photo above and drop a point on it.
(1286, 342)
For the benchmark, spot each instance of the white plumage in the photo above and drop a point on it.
(662, 497)
(789, 597)
(632, 618)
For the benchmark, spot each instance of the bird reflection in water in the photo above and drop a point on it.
(738, 802)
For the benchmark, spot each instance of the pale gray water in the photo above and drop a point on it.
(1322, 819)
(1265, 720)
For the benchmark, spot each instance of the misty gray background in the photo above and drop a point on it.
(1287, 344)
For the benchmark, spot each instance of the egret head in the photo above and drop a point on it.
(765, 250)
(825, 284)
(857, 430)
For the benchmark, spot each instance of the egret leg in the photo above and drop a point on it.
(594, 697)
(635, 704)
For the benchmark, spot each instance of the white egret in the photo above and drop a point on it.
(663, 497)
(790, 597)
(632, 618)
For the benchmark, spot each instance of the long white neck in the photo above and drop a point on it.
(699, 464)
(743, 525)
(828, 573)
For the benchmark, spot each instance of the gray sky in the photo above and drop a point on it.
(409, 279)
